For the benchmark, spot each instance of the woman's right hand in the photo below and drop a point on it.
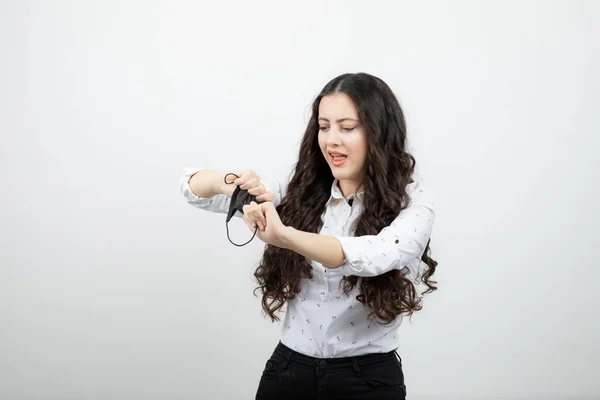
(246, 180)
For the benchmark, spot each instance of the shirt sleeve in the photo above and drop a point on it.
(220, 202)
(398, 246)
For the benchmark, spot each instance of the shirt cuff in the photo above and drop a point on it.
(218, 202)
(354, 261)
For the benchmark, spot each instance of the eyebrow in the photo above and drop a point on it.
(339, 120)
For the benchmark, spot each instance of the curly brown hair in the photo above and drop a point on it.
(389, 169)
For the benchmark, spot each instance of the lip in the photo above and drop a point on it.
(338, 163)
(335, 162)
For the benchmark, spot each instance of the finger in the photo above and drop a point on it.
(248, 222)
(230, 178)
(250, 183)
(263, 218)
(256, 213)
(245, 209)
(268, 196)
(253, 209)
(260, 218)
(240, 181)
(257, 190)
(247, 214)
(268, 208)
(244, 176)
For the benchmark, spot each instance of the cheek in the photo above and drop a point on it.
(359, 149)
(322, 141)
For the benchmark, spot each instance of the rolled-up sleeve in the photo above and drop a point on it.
(398, 246)
(220, 202)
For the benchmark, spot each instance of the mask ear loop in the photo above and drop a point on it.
(227, 225)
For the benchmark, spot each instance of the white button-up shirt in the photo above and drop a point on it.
(322, 321)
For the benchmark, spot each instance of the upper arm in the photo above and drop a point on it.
(399, 245)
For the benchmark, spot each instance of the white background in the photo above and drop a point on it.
(112, 287)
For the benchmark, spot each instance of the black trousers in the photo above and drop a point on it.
(289, 375)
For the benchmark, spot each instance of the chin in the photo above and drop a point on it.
(341, 175)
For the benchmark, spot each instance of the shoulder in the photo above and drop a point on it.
(420, 193)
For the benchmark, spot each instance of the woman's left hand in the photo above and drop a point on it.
(265, 217)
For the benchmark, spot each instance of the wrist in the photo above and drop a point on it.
(287, 237)
(220, 187)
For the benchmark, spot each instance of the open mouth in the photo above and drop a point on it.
(337, 159)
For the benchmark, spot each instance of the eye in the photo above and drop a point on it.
(349, 129)
(322, 128)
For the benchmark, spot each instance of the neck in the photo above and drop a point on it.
(349, 187)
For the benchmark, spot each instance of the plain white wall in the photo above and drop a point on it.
(112, 287)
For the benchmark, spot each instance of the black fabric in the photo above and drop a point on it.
(239, 199)
(291, 375)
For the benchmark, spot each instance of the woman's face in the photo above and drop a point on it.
(342, 140)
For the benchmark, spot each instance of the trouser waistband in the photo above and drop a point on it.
(290, 355)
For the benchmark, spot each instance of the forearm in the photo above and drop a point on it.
(320, 248)
(208, 183)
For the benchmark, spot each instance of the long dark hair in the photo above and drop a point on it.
(389, 170)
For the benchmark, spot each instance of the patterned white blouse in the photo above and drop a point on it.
(322, 321)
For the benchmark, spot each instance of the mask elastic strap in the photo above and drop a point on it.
(226, 223)
(239, 245)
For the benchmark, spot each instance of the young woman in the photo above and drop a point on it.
(346, 243)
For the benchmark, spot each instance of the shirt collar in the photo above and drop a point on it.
(336, 193)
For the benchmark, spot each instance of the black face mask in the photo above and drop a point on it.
(239, 199)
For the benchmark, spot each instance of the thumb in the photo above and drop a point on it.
(267, 207)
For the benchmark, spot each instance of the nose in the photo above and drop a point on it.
(334, 137)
